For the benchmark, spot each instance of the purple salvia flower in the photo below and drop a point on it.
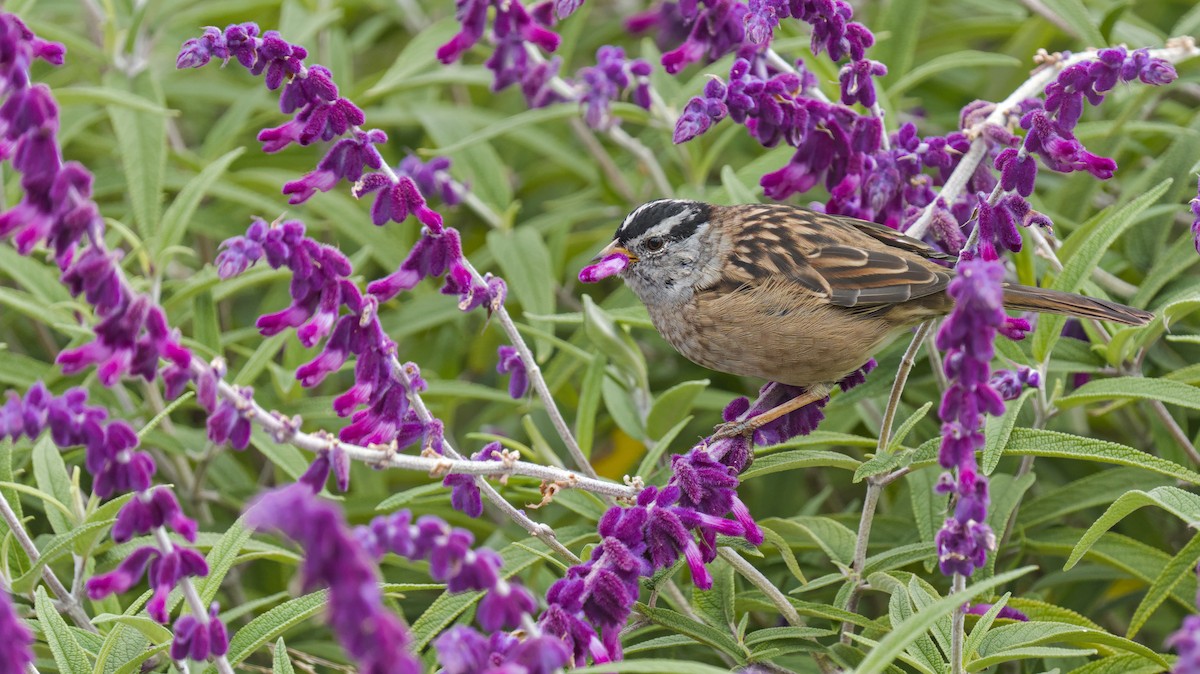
(334, 558)
(1010, 383)
(16, 648)
(229, 423)
(511, 19)
(718, 29)
(432, 255)
(967, 336)
(149, 510)
(857, 83)
(510, 362)
(198, 638)
(462, 650)
(164, 570)
(344, 161)
(432, 177)
(1194, 205)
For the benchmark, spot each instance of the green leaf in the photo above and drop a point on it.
(738, 191)
(650, 461)
(589, 404)
(525, 262)
(878, 660)
(958, 61)
(1101, 488)
(1029, 653)
(280, 662)
(900, 608)
(672, 405)
(1017, 635)
(613, 341)
(418, 54)
(905, 428)
(681, 624)
(1135, 388)
(50, 474)
(220, 559)
(57, 547)
(798, 459)
(902, 22)
(142, 145)
(1119, 664)
(112, 97)
(1082, 252)
(789, 559)
(506, 125)
(1075, 15)
(621, 407)
(273, 623)
(156, 633)
(997, 430)
(1184, 505)
(652, 667)
(715, 604)
(982, 626)
(267, 350)
(835, 538)
(68, 654)
(179, 214)
(1181, 566)
(1030, 442)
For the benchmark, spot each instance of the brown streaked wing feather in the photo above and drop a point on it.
(850, 262)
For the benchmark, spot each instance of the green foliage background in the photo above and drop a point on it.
(178, 170)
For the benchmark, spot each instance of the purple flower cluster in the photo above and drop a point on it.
(334, 557)
(967, 337)
(510, 362)
(320, 289)
(163, 568)
(111, 456)
(835, 147)
(512, 26)
(799, 422)
(588, 607)
(132, 335)
(1010, 383)
(452, 561)
(16, 648)
(464, 493)
(515, 28)
(320, 114)
(462, 650)
(1194, 204)
(1050, 128)
(601, 84)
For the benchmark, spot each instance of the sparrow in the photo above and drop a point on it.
(795, 296)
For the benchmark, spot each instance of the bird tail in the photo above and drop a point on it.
(1042, 300)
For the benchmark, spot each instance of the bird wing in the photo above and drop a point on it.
(848, 262)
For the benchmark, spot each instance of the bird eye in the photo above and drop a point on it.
(655, 244)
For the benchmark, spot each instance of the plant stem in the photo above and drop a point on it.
(875, 486)
(958, 627)
(758, 580)
(1032, 87)
(67, 601)
(195, 603)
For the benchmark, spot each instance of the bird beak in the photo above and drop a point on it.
(615, 248)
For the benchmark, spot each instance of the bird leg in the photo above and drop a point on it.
(748, 426)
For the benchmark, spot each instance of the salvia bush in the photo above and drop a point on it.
(235, 227)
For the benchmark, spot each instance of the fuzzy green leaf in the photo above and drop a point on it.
(1184, 505)
(68, 654)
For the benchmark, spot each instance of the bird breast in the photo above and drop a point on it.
(774, 331)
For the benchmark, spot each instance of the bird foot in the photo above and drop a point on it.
(733, 429)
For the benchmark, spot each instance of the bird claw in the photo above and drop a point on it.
(733, 429)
